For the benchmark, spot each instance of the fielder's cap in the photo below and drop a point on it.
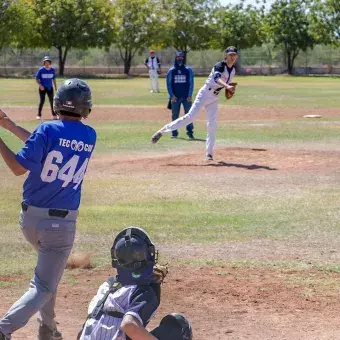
(47, 58)
(231, 50)
(179, 54)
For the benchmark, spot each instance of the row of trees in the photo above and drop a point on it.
(294, 25)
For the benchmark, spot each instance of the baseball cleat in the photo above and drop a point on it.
(191, 136)
(156, 137)
(46, 333)
(209, 157)
(174, 137)
(38, 117)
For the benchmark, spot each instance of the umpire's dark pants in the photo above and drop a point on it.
(176, 107)
(42, 94)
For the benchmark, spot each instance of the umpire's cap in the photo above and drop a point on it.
(73, 98)
(231, 50)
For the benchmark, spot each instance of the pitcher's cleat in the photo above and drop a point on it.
(209, 157)
(156, 137)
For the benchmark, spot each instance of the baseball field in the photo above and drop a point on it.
(252, 239)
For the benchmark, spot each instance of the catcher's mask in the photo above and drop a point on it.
(73, 98)
(133, 255)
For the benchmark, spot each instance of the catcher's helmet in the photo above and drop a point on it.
(73, 98)
(133, 255)
(47, 58)
(173, 326)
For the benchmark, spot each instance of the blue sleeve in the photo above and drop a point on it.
(31, 156)
(169, 83)
(218, 70)
(38, 74)
(191, 80)
(144, 303)
(53, 74)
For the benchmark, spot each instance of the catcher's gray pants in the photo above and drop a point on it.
(53, 238)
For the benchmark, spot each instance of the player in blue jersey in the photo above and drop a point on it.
(180, 85)
(45, 78)
(56, 156)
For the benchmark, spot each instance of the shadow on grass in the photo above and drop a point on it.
(191, 140)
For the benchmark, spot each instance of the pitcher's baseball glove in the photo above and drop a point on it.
(229, 94)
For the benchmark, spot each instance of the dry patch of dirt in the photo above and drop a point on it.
(221, 303)
(154, 113)
(226, 160)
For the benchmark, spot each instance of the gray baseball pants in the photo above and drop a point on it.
(53, 237)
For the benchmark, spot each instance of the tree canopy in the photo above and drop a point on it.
(66, 24)
(287, 25)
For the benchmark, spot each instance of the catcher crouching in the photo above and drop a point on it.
(125, 304)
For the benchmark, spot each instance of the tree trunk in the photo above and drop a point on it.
(127, 66)
(62, 58)
(128, 55)
(289, 63)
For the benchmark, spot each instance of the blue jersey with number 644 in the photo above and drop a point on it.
(56, 155)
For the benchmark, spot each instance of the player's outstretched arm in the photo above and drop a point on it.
(8, 124)
(134, 329)
(9, 158)
(224, 84)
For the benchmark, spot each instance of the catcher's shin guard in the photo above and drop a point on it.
(173, 327)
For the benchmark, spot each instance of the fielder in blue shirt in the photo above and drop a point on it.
(56, 155)
(180, 85)
(45, 78)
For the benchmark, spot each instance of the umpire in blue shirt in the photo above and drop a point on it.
(180, 85)
(45, 78)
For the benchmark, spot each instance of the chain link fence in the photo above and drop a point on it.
(265, 60)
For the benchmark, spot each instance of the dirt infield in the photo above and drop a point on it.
(133, 113)
(221, 302)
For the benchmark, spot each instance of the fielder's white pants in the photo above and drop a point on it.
(154, 80)
(205, 98)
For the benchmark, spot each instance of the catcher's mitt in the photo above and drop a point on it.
(229, 94)
(160, 272)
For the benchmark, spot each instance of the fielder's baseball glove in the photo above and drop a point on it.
(229, 94)
(160, 272)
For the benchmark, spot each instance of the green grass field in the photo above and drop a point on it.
(256, 91)
(282, 209)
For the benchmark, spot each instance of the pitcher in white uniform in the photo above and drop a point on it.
(154, 66)
(220, 77)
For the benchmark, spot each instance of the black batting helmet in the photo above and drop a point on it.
(173, 326)
(133, 255)
(73, 98)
